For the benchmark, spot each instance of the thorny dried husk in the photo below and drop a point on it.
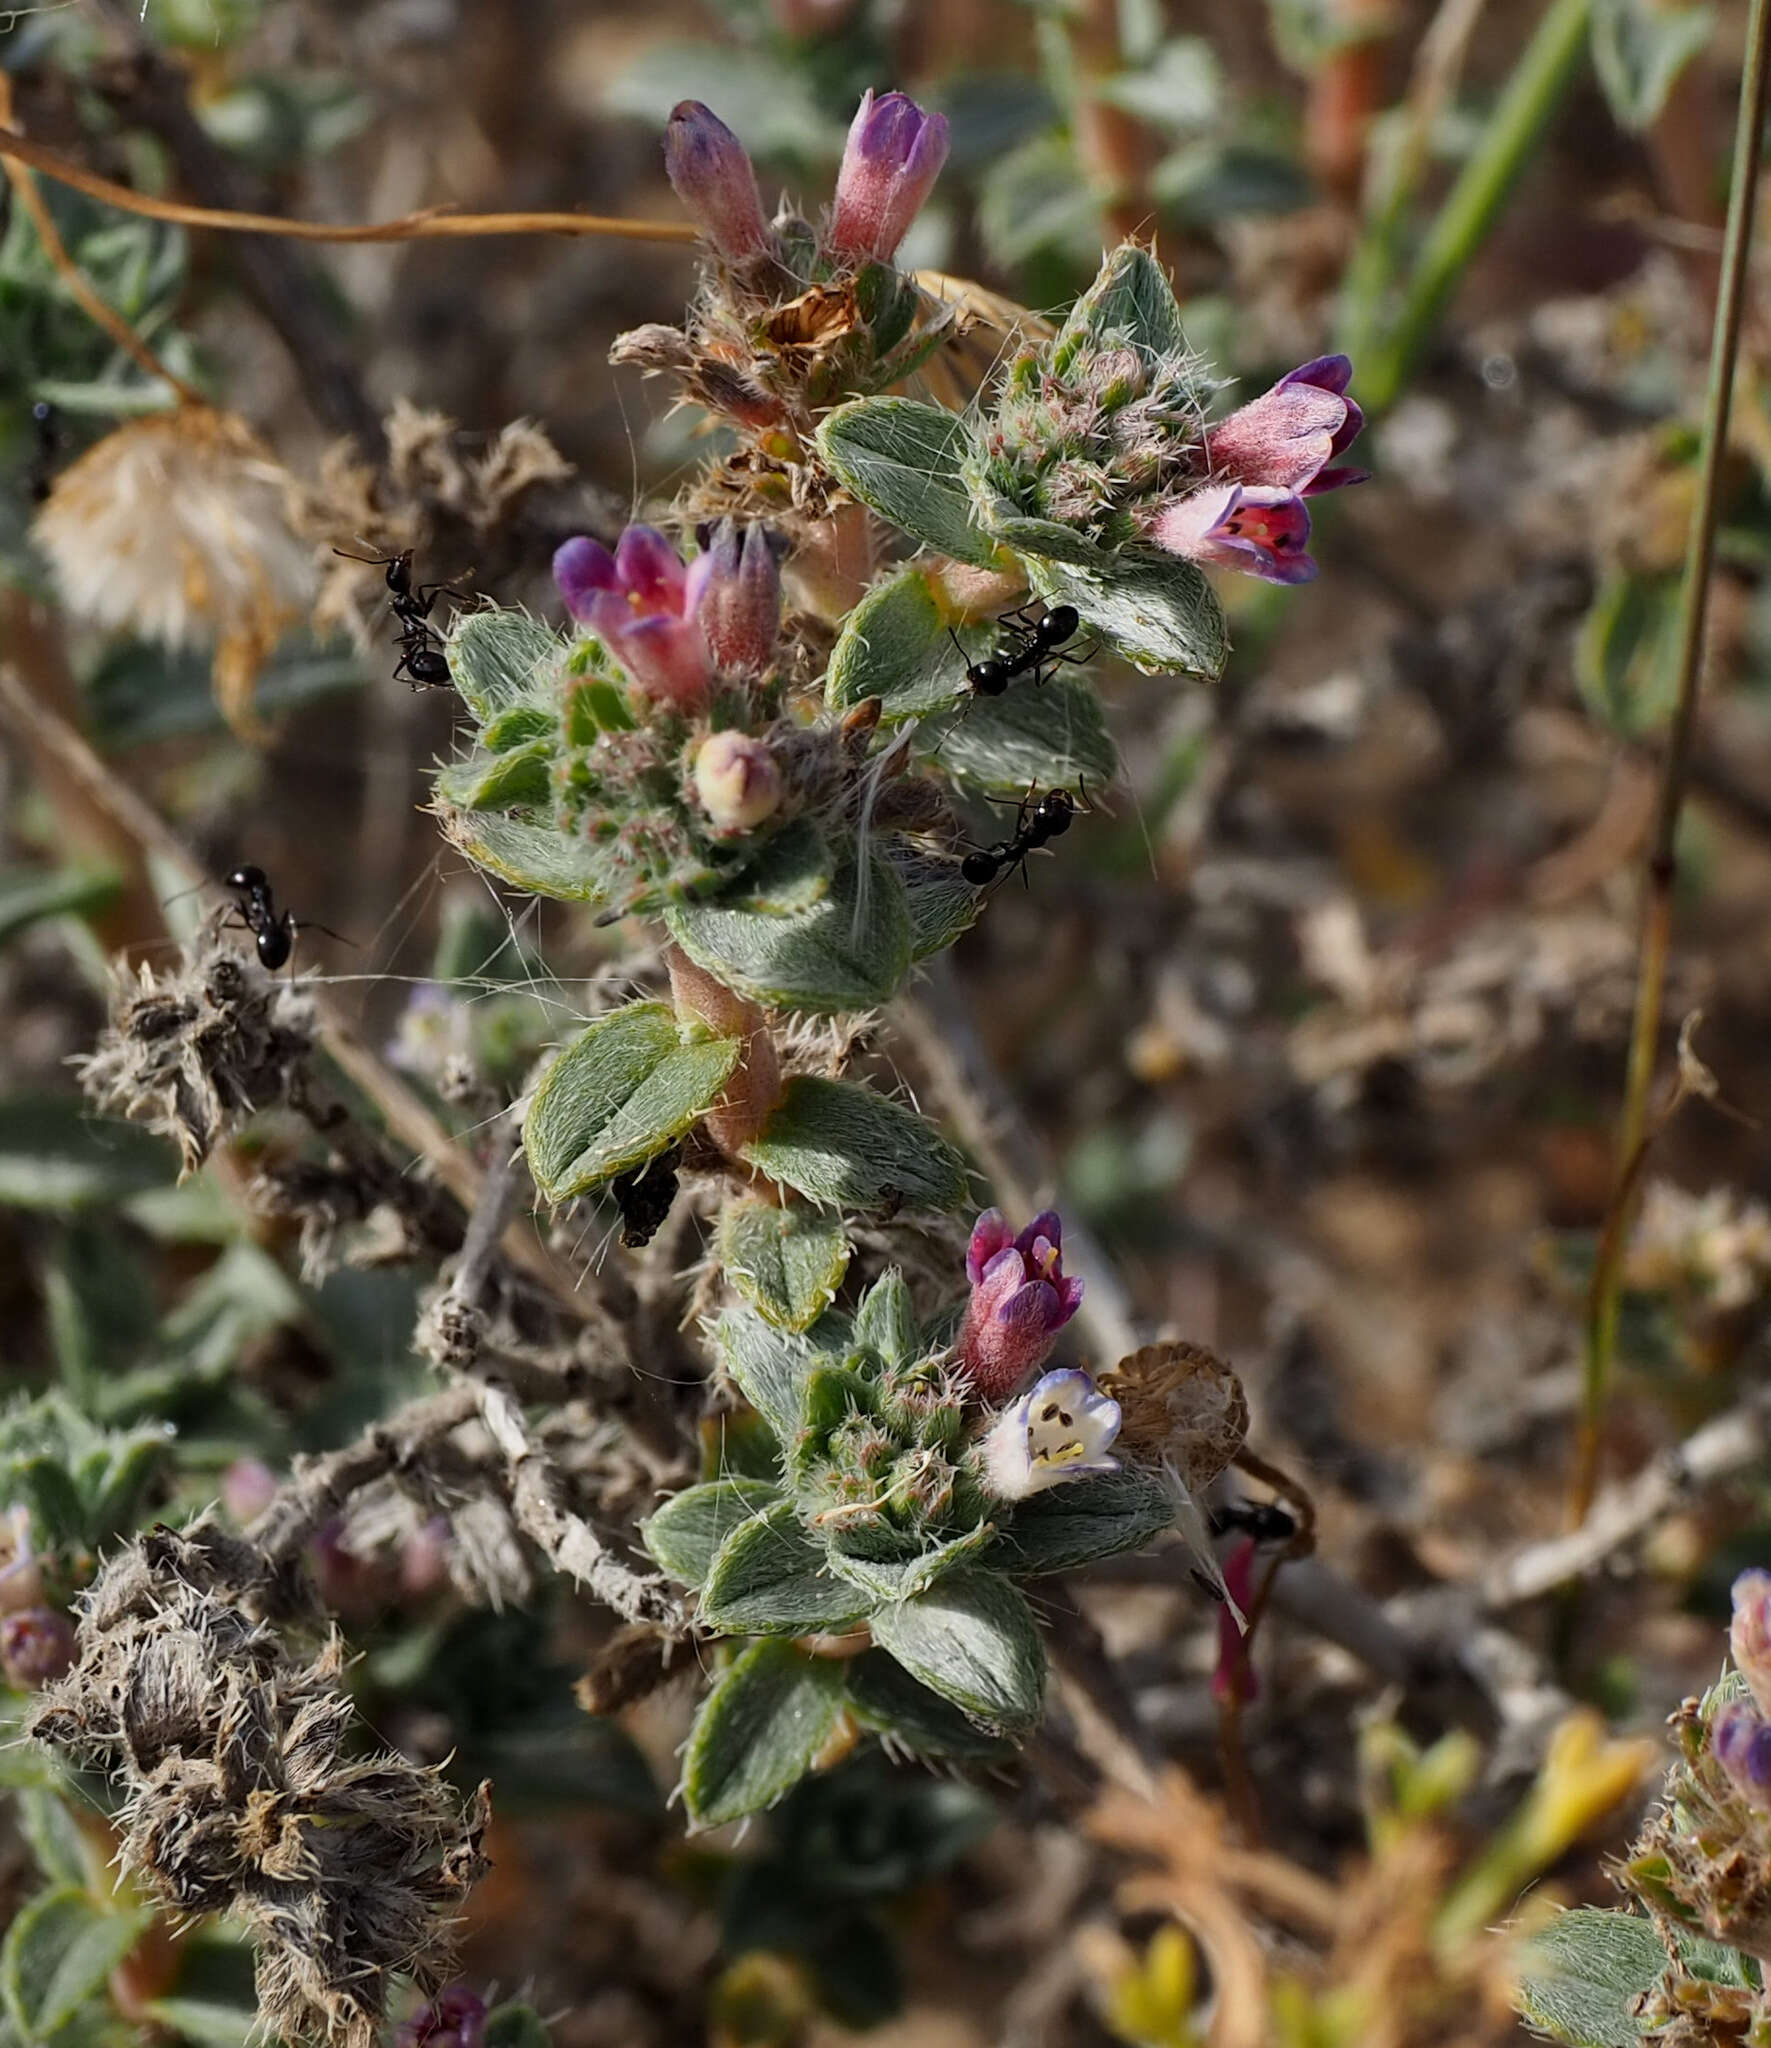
(239, 1794)
(191, 1051)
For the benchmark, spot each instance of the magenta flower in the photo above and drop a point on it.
(642, 603)
(1258, 528)
(893, 156)
(1020, 1300)
(740, 607)
(1740, 1741)
(712, 173)
(453, 2019)
(36, 1647)
(1286, 439)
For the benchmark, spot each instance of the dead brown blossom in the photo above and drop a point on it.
(1181, 1403)
(192, 1050)
(240, 1792)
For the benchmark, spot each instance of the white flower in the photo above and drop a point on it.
(175, 528)
(1059, 1429)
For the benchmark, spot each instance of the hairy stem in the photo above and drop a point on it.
(1662, 864)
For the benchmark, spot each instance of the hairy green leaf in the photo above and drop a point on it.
(1047, 735)
(1578, 1977)
(787, 1263)
(770, 1578)
(1082, 1520)
(685, 1533)
(972, 1639)
(903, 459)
(884, 1697)
(498, 657)
(1130, 300)
(899, 645)
(58, 1952)
(1156, 610)
(759, 1731)
(849, 1148)
(770, 1365)
(626, 1087)
(892, 1582)
(848, 952)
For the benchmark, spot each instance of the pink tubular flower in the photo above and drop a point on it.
(1233, 1677)
(712, 173)
(1740, 1741)
(1257, 528)
(893, 157)
(1286, 439)
(455, 2018)
(1020, 1300)
(740, 608)
(642, 602)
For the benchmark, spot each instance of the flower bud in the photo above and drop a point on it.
(455, 2018)
(715, 181)
(738, 597)
(36, 1647)
(737, 781)
(894, 155)
(1020, 1300)
(1749, 1638)
(1740, 1741)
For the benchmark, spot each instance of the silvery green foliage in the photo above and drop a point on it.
(873, 1512)
(1087, 433)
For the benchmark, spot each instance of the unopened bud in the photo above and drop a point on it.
(36, 1647)
(1749, 1638)
(715, 181)
(893, 157)
(1741, 1743)
(248, 1487)
(456, 2018)
(740, 598)
(737, 781)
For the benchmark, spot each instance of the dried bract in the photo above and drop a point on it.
(1179, 1405)
(191, 1051)
(240, 1793)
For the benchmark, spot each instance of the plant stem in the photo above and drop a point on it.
(1521, 116)
(1662, 865)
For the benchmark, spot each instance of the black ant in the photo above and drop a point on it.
(48, 437)
(1030, 644)
(273, 930)
(1265, 1520)
(422, 660)
(1049, 819)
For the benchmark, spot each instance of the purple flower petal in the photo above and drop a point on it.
(581, 568)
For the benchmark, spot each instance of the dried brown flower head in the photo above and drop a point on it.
(1179, 1405)
(239, 1794)
(190, 1051)
(176, 528)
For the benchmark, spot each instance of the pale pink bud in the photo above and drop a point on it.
(715, 181)
(248, 1487)
(1749, 1637)
(735, 587)
(894, 155)
(36, 1647)
(737, 781)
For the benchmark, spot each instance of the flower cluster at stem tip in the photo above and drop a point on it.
(1020, 1300)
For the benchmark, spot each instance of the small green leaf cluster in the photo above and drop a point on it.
(864, 1510)
(84, 1485)
(1088, 432)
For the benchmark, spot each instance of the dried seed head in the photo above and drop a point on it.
(242, 1791)
(192, 1051)
(1179, 1405)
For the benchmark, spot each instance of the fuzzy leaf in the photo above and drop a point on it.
(548, 862)
(1035, 735)
(848, 1148)
(518, 726)
(885, 1320)
(497, 657)
(792, 873)
(1576, 1979)
(626, 1087)
(942, 902)
(843, 954)
(58, 1952)
(903, 459)
(787, 1263)
(759, 1731)
(685, 1533)
(897, 645)
(771, 1367)
(516, 2026)
(894, 1582)
(521, 777)
(1027, 534)
(1156, 610)
(45, 1817)
(55, 1154)
(1639, 49)
(1082, 1520)
(1131, 298)
(973, 1640)
(884, 1696)
(27, 894)
(771, 1579)
(203, 2023)
(57, 1511)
